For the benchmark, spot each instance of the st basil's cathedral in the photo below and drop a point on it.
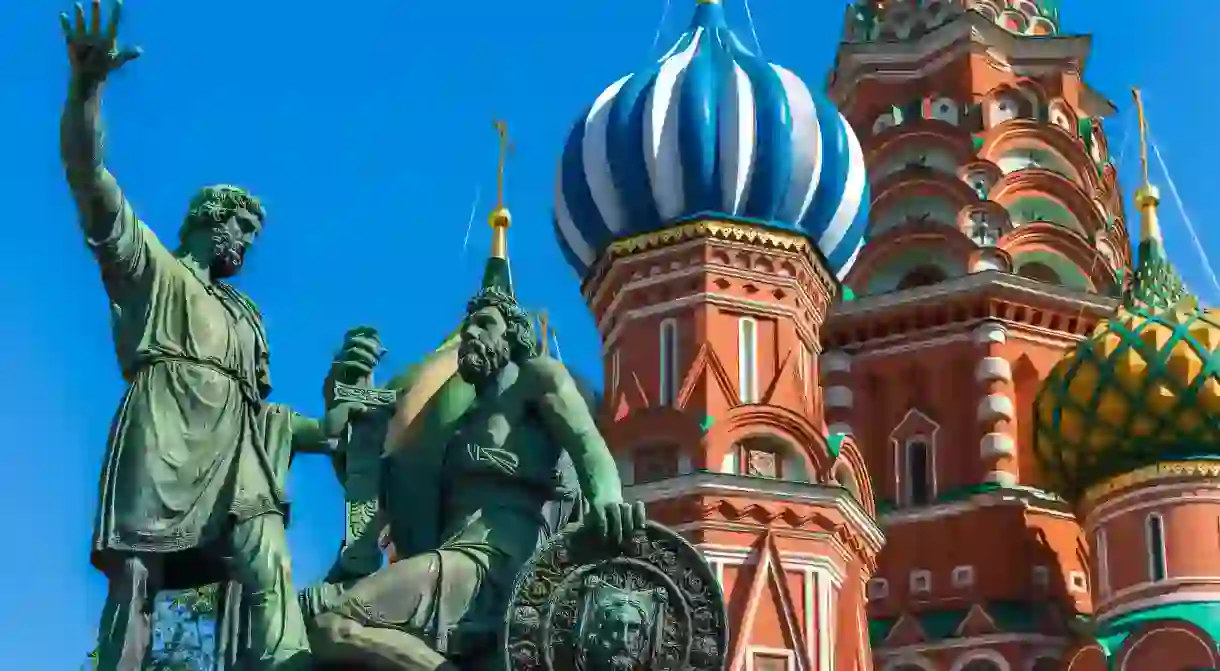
(886, 352)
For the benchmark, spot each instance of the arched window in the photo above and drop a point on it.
(1040, 272)
(918, 481)
(669, 362)
(981, 665)
(922, 276)
(1154, 534)
(747, 357)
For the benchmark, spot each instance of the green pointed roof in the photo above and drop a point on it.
(1155, 285)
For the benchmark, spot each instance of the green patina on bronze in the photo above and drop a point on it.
(192, 488)
(498, 462)
(1159, 321)
(502, 457)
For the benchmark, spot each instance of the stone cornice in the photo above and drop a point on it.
(709, 484)
(982, 283)
(910, 59)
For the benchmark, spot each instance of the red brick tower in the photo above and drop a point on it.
(710, 202)
(996, 242)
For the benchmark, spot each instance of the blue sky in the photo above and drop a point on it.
(366, 129)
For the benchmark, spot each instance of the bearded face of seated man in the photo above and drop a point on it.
(524, 424)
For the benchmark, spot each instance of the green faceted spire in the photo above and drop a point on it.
(1156, 284)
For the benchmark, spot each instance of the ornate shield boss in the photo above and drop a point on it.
(651, 605)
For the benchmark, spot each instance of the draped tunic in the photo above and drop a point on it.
(188, 451)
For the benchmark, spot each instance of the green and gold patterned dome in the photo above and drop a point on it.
(1142, 389)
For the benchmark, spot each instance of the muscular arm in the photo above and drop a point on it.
(110, 227)
(567, 417)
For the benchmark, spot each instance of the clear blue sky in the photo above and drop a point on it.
(366, 129)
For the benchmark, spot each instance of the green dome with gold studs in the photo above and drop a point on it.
(1142, 389)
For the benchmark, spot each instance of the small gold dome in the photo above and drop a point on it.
(500, 218)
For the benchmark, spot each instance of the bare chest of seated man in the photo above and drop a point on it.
(498, 473)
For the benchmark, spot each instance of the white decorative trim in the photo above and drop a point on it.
(982, 654)
(726, 484)
(995, 407)
(838, 397)
(734, 303)
(738, 556)
(920, 582)
(962, 577)
(1021, 288)
(990, 332)
(993, 445)
(1151, 496)
(993, 368)
(1148, 634)
(878, 589)
(977, 502)
(1077, 582)
(701, 268)
(1141, 604)
(747, 352)
(640, 259)
(1163, 587)
(1031, 640)
(837, 361)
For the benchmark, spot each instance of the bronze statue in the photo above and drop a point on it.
(192, 485)
(478, 490)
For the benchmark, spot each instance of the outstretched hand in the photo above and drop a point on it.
(93, 49)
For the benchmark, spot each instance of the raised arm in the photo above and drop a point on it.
(108, 223)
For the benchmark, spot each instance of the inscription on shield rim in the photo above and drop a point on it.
(653, 604)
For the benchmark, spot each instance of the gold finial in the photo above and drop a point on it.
(544, 326)
(1147, 196)
(500, 218)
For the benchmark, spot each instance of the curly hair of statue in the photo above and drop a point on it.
(216, 203)
(519, 327)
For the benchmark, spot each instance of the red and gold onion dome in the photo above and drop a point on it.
(1142, 390)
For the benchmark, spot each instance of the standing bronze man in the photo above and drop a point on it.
(192, 484)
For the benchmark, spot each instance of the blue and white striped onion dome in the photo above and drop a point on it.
(711, 131)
